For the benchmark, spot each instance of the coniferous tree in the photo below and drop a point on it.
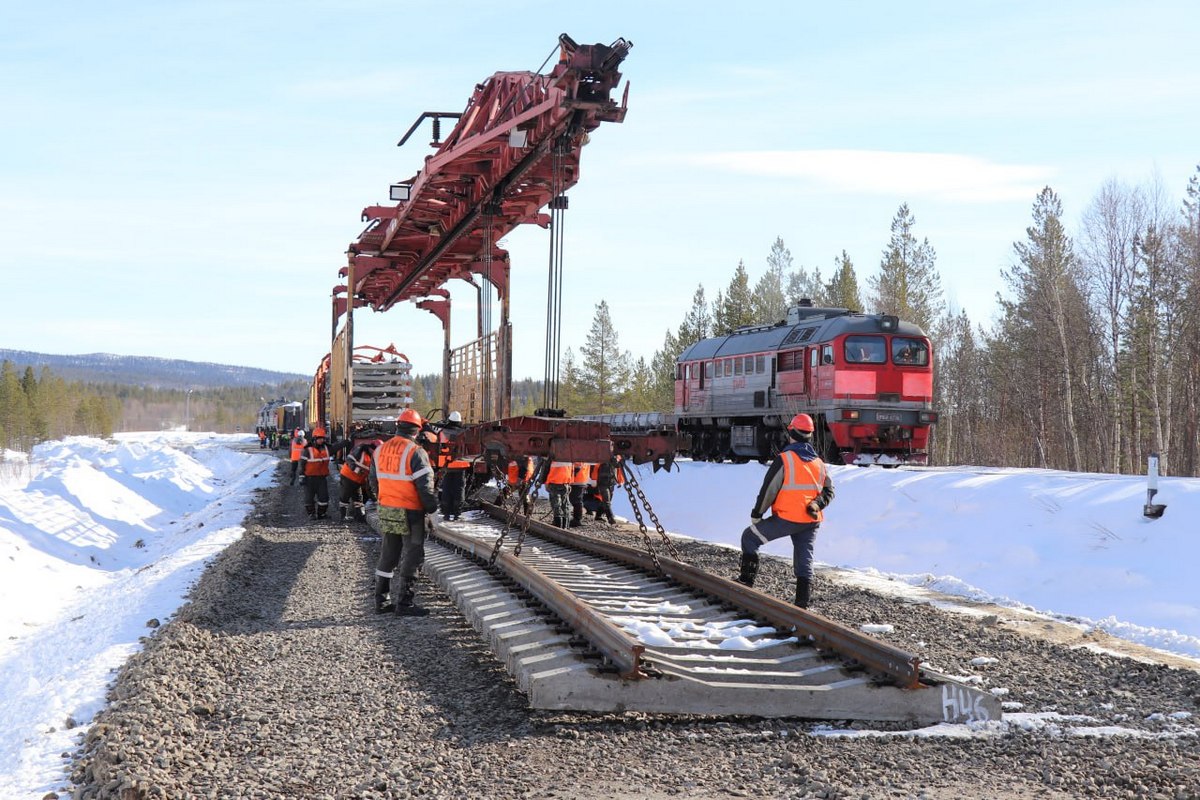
(698, 322)
(1047, 313)
(736, 307)
(604, 370)
(842, 289)
(662, 367)
(770, 300)
(908, 284)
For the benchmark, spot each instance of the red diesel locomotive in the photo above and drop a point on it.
(865, 379)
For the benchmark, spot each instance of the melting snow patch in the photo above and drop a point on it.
(869, 628)
(983, 661)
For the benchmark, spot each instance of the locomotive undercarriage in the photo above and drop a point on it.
(744, 439)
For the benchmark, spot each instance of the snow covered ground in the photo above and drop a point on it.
(101, 539)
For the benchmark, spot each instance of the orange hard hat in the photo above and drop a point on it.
(802, 423)
(318, 433)
(410, 416)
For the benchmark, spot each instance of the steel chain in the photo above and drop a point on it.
(637, 512)
(508, 522)
(653, 517)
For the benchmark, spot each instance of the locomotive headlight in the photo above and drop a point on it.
(927, 417)
(850, 413)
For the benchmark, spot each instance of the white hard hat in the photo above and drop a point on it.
(455, 416)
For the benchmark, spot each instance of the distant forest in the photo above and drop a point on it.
(1092, 364)
(38, 405)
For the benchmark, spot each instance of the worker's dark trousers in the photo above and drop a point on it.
(351, 498)
(803, 535)
(316, 495)
(559, 504)
(403, 548)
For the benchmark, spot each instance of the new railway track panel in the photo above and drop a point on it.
(585, 624)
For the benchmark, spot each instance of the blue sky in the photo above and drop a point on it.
(182, 179)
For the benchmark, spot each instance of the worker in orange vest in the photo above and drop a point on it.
(453, 478)
(796, 489)
(313, 466)
(403, 481)
(580, 477)
(556, 476)
(353, 480)
(298, 443)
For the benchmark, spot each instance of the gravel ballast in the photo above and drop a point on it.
(278, 680)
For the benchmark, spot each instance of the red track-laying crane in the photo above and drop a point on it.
(514, 150)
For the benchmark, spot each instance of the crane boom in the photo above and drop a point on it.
(490, 174)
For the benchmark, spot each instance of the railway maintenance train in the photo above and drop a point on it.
(865, 379)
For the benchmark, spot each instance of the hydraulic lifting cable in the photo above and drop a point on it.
(558, 204)
(485, 314)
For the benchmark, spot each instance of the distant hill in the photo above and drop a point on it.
(161, 373)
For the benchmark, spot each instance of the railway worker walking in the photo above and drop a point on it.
(356, 466)
(314, 470)
(796, 489)
(402, 478)
(454, 469)
(556, 476)
(298, 443)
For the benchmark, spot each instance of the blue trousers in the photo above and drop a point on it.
(803, 535)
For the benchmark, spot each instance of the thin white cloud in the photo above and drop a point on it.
(947, 176)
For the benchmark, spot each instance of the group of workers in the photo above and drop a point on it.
(401, 474)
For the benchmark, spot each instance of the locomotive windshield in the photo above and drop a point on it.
(909, 352)
(866, 350)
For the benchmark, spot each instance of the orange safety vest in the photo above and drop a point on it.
(579, 473)
(357, 475)
(317, 463)
(560, 473)
(393, 465)
(297, 447)
(802, 482)
(514, 469)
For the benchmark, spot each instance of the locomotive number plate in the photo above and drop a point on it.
(887, 416)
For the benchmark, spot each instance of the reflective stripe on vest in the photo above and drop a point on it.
(560, 473)
(316, 461)
(394, 469)
(802, 482)
(353, 474)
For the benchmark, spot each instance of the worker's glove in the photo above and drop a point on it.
(813, 508)
(428, 524)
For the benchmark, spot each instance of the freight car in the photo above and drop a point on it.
(866, 380)
(366, 391)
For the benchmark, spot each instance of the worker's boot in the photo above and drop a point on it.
(749, 569)
(576, 520)
(803, 592)
(405, 607)
(558, 522)
(311, 511)
(341, 512)
(382, 604)
(322, 508)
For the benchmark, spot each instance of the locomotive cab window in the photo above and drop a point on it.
(866, 350)
(909, 352)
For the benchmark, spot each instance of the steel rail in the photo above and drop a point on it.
(900, 665)
(615, 644)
